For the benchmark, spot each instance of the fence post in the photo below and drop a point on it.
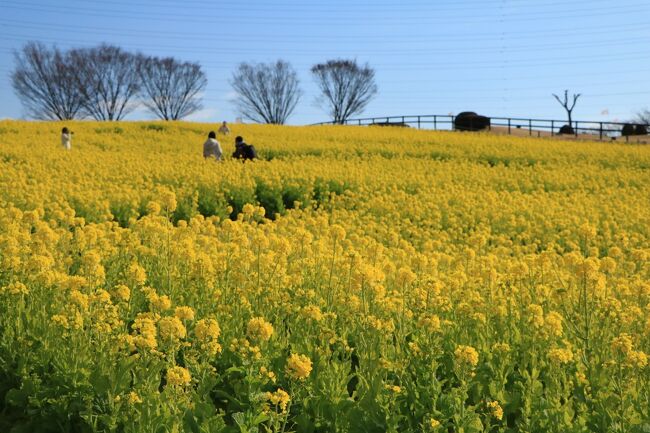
(435, 122)
(508, 126)
(601, 130)
(530, 127)
(576, 131)
(402, 119)
(418, 122)
(552, 128)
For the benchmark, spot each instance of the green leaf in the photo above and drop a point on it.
(474, 425)
(190, 424)
(100, 382)
(17, 397)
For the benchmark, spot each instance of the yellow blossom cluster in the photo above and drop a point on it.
(298, 366)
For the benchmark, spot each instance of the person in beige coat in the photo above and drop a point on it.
(212, 148)
(223, 129)
(66, 138)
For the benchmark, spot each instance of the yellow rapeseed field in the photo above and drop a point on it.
(354, 279)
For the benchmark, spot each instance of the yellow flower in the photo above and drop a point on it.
(430, 323)
(259, 329)
(622, 344)
(178, 376)
(560, 356)
(495, 410)
(553, 324)
(146, 332)
(153, 208)
(171, 328)
(159, 303)
(501, 348)
(168, 201)
(466, 356)
(137, 274)
(16, 288)
(312, 312)
(79, 299)
(636, 359)
(393, 388)
(184, 313)
(134, 398)
(279, 398)
(207, 331)
(61, 320)
(298, 366)
(122, 293)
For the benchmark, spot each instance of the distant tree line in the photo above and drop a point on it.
(104, 83)
(107, 83)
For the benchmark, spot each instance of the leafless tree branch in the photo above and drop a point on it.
(170, 88)
(346, 87)
(107, 80)
(565, 103)
(44, 82)
(266, 93)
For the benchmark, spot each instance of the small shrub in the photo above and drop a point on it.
(270, 199)
(237, 197)
(122, 212)
(154, 127)
(294, 193)
(211, 202)
(186, 208)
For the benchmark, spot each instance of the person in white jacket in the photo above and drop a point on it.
(66, 138)
(211, 148)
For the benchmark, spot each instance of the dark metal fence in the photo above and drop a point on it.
(534, 127)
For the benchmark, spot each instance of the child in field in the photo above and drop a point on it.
(211, 147)
(243, 150)
(66, 138)
(223, 129)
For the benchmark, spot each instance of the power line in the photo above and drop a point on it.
(223, 6)
(395, 52)
(340, 21)
(442, 37)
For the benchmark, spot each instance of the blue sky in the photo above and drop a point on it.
(496, 57)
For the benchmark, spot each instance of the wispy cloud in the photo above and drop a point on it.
(205, 115)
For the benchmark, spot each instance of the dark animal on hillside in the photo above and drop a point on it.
(628, 129)
(641, 130)
(470, 121)
(566, 129)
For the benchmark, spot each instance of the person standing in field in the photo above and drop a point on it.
(212, 148)
(243, 150)
(223, 129)
(66, 138)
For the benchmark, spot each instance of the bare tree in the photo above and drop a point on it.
(565, 103)
(171, 88)
(643, 117)
(44, 82)
(107, 79)
(266, 93)
(346, 87)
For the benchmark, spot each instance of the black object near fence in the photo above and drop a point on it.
(534, 127)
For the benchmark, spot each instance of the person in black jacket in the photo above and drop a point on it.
(243, 150)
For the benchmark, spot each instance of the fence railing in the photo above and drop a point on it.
(534, 127)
